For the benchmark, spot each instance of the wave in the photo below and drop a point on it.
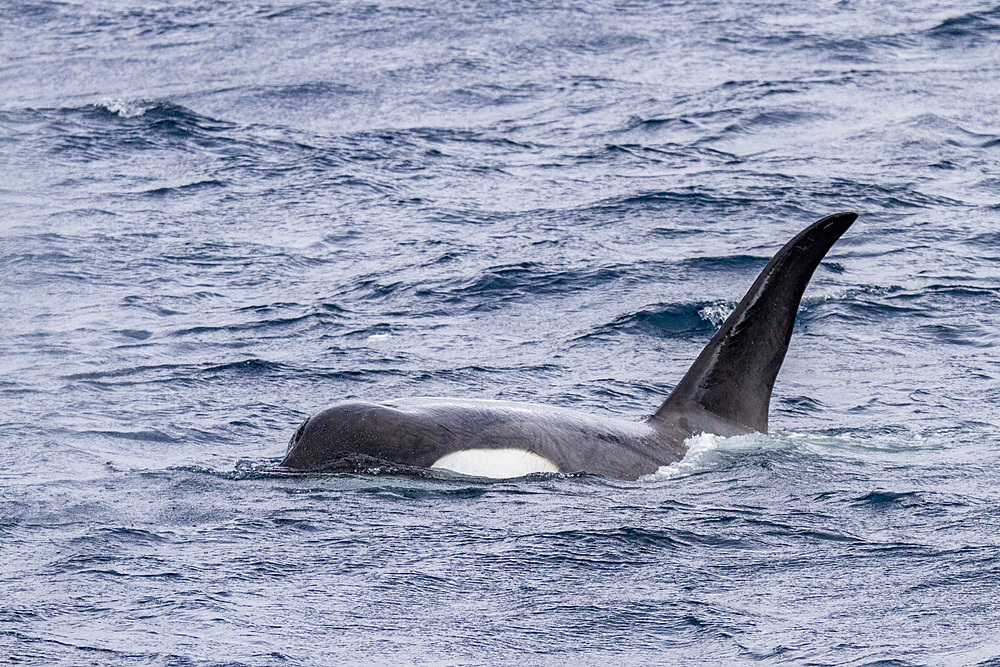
(691, 198)
(670, 319)
(971, 25)
(155, 114)
(112, 128)
(176, 373)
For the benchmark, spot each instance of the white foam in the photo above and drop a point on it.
(705, 451)
(699, 449)
(495, 463)
(126, 108)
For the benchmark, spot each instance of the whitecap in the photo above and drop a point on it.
(126, 108)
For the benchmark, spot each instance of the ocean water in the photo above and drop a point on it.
(217, 218)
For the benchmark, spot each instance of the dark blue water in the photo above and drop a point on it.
(218, 218)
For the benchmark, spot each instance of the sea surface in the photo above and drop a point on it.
(217, 218)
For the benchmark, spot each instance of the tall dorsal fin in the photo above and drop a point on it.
(733, 376)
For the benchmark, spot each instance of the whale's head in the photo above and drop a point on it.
(309, 445)
(339, 432)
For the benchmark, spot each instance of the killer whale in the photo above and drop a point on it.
(726, 391)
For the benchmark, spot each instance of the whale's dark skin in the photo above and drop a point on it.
(725, 392)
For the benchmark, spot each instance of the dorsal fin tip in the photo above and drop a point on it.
(733, 376)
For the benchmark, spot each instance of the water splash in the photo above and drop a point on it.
(717, 313)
